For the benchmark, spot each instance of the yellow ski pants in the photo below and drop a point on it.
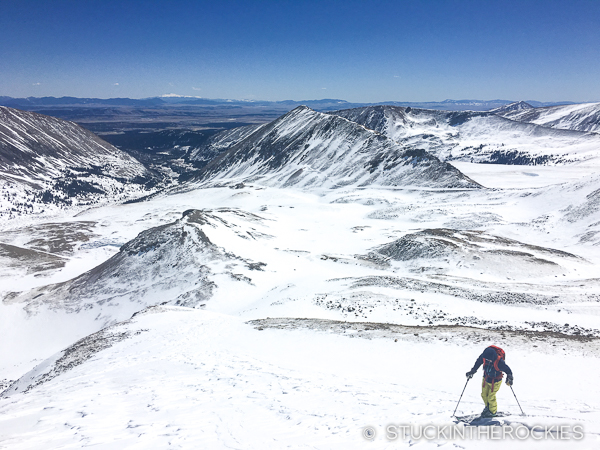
(489, 395)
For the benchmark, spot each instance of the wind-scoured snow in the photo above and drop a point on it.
(581, 117)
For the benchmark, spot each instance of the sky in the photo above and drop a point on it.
(360, 51)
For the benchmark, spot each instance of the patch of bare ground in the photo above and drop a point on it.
(551, 341)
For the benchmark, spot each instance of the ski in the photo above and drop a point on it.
(478, 419)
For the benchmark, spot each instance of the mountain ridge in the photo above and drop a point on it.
(477, 136)
(46, 161)
(580, 117)
(308, 148)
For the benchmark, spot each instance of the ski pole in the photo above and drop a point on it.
(461, 396)
(517, 400)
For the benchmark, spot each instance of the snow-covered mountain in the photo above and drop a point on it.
(511, 107)
(290, 288)
(166, 263)
(477, 136)
(306, 148)
(46, 161)
(580, 117)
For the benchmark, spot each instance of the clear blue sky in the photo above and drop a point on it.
(364, 51)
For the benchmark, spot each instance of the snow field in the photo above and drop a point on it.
(196, 379)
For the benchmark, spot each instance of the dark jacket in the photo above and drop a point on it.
(489, 372)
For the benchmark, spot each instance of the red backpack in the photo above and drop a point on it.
(491, 369)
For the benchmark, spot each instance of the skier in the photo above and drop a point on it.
(492, 359)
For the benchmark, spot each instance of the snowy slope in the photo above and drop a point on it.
(220, 142)
(305, 148)
(581, 117)
(477, 137)
(44, 160)
(182, 378)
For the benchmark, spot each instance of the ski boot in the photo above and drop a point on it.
(487, 413)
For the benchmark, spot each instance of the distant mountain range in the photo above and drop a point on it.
(46, 162)
(71, 101)
(318, 105)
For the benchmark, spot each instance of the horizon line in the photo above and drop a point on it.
(176, 96)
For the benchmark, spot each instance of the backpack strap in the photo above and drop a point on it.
(496, 363)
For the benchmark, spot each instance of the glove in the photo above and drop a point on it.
(509, 380)
(470, 374)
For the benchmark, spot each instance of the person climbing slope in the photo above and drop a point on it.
(493, 362)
